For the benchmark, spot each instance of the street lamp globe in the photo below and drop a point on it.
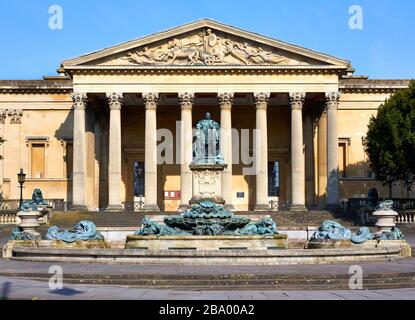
(21, 177)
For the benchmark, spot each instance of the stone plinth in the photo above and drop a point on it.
(405, 248)
(207, 182)
(52, 245)
(208, 243)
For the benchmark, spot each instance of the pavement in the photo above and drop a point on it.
(14, 289)
(26, 267)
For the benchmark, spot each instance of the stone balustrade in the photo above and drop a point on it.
(406, 217)
(8, 218)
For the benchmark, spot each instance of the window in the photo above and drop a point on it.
(37, 151)
(139, 179)
(69, 160)
(274, 179)
(343, 156)
(38, 161)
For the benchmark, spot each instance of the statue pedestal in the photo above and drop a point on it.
(207, 182)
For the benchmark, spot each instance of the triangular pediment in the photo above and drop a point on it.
(205, 43)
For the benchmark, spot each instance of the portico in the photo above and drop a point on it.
(172, 78)
(185, 102)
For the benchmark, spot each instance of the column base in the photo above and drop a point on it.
(333, 207)
(114, 208)
(262, 207)
(151, 208)
(183, 208)
(230, 207)
(78, 207)
(298, 208)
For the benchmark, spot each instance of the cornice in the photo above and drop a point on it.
(191, 70)
(35, 86)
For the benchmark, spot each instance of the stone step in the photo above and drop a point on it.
(130, 219)
(377, 281)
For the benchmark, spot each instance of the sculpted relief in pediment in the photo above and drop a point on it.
(206, 48)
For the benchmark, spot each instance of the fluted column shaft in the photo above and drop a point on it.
(186, 153)
(261, 152)
(79, 152)
(115, 101)
(225, 101)
(150, 166)
(297, 152)
(332, 99)
(3, 114)
(322, 161)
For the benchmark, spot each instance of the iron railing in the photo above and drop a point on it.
(133, 206)
(279, 205)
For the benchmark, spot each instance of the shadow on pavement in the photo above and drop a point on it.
(66, 292)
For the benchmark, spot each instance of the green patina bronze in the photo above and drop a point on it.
(19, 234)
(206, 148)
(37, 200)
(210, 219)
(395, 234)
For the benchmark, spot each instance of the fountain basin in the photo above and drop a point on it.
(208, 243)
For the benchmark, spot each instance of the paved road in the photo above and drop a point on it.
(29, 289)
(8, 267)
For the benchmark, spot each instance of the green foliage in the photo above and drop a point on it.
(390, 141)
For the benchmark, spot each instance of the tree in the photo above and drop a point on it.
(390, 141)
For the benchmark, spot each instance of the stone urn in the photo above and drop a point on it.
(386, 217)
(30, 221)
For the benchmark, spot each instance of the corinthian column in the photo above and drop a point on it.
(115, 101)
(186, 143)
(261, 152)
(332, 99)
(3, 114)
(297, 152)
(150, 166)
(225, 101)
(79, 152)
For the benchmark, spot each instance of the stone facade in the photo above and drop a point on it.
(90, 125)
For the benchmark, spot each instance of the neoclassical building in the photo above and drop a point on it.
(89, 135)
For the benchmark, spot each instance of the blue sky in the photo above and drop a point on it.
(384, 48)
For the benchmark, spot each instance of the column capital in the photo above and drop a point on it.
(115, 100)
(15, 115)
(261, 99)
(3, 114)
(332, 99)
(151, 100)
(297, 100)
(186, 100)
(79, 100)
(225, 100)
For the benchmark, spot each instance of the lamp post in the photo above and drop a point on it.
(21, 177)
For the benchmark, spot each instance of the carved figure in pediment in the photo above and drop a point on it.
(146, 56)
(176, 51)
(264, 56)
(237, 51)
(205, 48)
